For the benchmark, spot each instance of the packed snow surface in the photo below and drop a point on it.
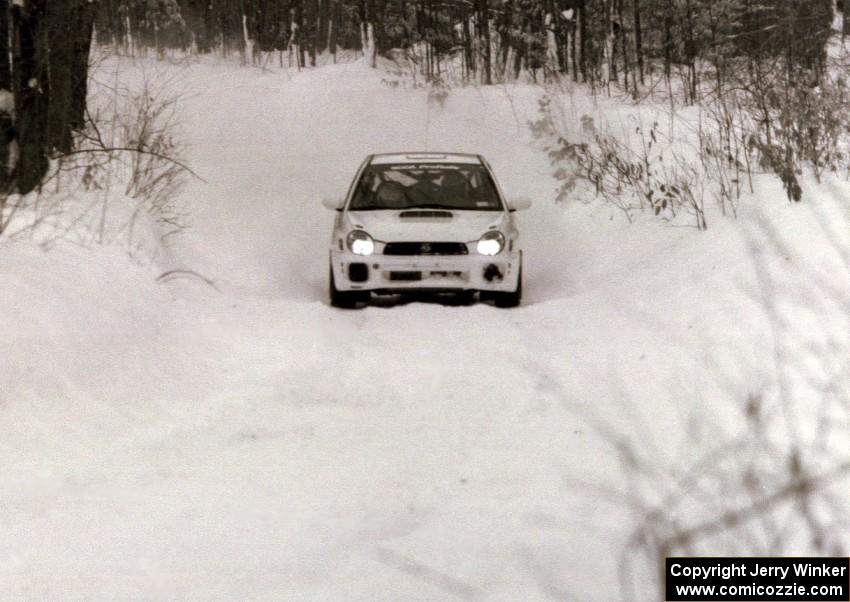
(166, 440)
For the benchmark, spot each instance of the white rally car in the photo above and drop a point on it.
(416, 222)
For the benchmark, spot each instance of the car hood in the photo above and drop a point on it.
(426, 225)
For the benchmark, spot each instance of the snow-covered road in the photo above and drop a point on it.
(165, 441)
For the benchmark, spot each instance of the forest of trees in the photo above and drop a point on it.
(632, 43)
(590, 40)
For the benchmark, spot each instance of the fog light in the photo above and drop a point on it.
(358, 272)
(492, 272)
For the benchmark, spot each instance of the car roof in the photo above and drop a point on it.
(424, 157)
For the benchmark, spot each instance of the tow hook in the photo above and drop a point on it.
(492, 272)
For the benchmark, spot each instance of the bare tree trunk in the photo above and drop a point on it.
(482, 25)
(624, 49)
(5, 66)
(7, 129)
(574, 49)
(668, 40)
(84, 16)
(299, 19)
(610, 64)
(80, 63)
(638, 40)
(61, 31)
(715, 50)
(337, 18)
(556, 39)
(309, 39)
(468, 53)
(322, 20)
(845, 28)
(367, 32)
(31, 90)
(691, 52)
(332, 26)
(517, 62)
(294, 44)
(584, 44)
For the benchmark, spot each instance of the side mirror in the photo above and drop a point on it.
(520, 204)
(332, 204)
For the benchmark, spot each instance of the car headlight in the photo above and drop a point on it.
(360, 243)
(491, 243)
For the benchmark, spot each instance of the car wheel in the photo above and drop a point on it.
(466, 297)
(509, 299)
(346, 299)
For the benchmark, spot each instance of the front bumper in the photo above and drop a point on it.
(397, 273)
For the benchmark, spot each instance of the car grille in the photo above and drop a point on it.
(425, 248)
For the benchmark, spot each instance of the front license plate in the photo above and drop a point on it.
(408, 276)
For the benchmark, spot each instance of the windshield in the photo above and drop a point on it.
(434, 186)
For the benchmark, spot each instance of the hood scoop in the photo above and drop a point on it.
(425, 213)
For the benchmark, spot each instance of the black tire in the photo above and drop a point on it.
(464, 297)
(509, 299)
(346, 299)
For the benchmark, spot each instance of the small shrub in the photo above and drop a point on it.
(651, 177)
(126, 166)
